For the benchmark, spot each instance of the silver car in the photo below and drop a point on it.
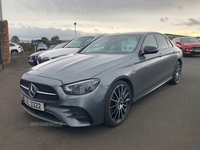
(98, 84)
(74, 46)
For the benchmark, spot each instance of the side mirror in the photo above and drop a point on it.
(150, 50)
(178, 43)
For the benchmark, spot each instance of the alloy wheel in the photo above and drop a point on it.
(119, 103)
(177, 72)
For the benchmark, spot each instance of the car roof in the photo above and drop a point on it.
(135, 33)
(185, 37)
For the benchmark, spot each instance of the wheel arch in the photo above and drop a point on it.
(14, 50)
(125, 79)
(180, 61)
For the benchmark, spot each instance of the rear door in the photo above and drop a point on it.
(167, 52)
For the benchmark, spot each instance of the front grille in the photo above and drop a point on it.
(45, 92)
(195, 47)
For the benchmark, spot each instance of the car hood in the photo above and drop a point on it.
(77, 67)
(59, 52)
(37, 53)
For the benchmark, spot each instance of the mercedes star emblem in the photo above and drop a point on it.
(32, 90)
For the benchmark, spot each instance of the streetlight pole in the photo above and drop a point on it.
(1, 16)
(75, 28)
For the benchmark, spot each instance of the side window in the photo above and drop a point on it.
(10, 44)
(174, 41)
(162, 43)
(149, 41)
(169, 43)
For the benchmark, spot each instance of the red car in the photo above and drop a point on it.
(189, 45)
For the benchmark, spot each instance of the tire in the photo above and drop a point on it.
(184, 55)
(176, 74)
(14, 52)
(118, 103)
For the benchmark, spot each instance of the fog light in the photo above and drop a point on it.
(186, 50)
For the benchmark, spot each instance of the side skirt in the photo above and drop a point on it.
(142, 95)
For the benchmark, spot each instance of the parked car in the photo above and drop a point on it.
(62, 45)
(99, 83)
(51, 47)
(42, 47)
(189, 45)
(32, 59)
(15, 48)
(73, 47)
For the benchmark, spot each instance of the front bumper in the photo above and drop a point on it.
(32, 61)
(189, 50)
(71, 110)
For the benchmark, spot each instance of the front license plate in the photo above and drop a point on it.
(197, 51)
(30, 60)
(33, 104)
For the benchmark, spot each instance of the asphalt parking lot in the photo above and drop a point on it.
(166, 119)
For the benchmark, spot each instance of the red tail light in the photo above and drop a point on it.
(20, 47)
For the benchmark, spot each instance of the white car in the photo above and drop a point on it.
(15, 48)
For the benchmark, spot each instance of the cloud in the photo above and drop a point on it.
(192, 22)
(81, 10)
(169, 5)
(36, 33)
(164, 19)
(179, 7)
(175, 6)
(21, 24)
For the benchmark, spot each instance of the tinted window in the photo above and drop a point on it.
(60, 45)
(169, 43)
(79, 42)
(11, 44)
(149, 41)
(162, 43)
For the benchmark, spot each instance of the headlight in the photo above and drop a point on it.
(80, 88)
(187, 44)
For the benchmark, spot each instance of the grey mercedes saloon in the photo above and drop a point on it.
(98, 84)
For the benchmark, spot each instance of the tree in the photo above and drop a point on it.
(15, 39)
(44, 39)
(55, 38)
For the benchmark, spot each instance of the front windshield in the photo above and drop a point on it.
(60, 46)
(79, 42)
(189, 40)
(42, 45)
(113, 44)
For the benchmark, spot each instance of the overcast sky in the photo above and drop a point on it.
(31, 19)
